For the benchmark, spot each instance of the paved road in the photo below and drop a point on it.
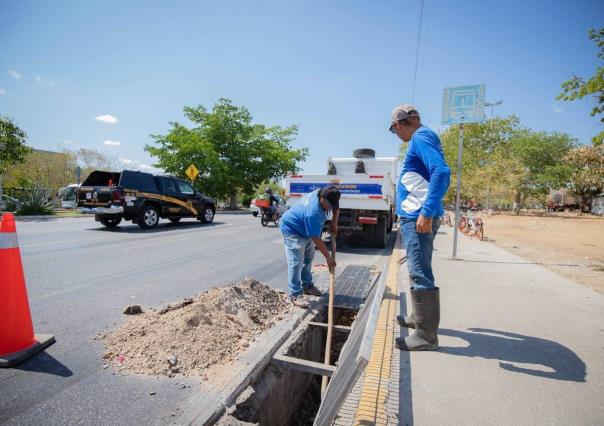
(80, 276)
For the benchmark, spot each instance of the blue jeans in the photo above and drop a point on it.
(300, 252)
(419, 253)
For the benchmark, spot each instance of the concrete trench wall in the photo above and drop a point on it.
(280, 393)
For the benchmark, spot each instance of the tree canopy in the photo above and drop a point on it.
(13, 148)
(232, 153)
(579, 87)
(504, 158)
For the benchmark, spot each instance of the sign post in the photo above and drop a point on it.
(463, 104)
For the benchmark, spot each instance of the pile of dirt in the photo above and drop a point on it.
(188, 338)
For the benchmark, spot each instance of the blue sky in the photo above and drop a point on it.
(335, 68)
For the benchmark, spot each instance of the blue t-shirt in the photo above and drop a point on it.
(424, 178)
(306, 218)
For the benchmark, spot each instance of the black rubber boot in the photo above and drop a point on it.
(426, 310)
(408, 322)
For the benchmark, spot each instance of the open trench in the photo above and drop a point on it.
(285, 396)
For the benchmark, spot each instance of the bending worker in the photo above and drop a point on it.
(301, 227)
(422, 184)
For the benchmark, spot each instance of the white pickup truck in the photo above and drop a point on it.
(368, 186)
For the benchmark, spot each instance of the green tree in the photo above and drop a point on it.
(232, 154)
(43, 169)
(486, 152)
(13, 148)
(586, 171)
(502, 157)
(536, 163)
(578, 87)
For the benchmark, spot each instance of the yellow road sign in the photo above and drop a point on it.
(192, 172)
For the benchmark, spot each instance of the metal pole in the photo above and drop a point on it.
(458, 193)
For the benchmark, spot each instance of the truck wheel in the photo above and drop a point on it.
(381, 234)
(111, 222)
(369, 234)
(207, 215)
(149, 217)
(174, 219)
(390, 223)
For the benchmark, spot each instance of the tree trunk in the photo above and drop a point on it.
(233, 202)
(518, 202)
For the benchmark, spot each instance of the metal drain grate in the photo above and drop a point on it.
(352, 286)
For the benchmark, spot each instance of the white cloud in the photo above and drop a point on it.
(558, 108)
(112, 143)
(41, 80)
(2, 91)
(14, 74)
(106, 118)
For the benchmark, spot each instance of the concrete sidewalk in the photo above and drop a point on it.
(519, 345)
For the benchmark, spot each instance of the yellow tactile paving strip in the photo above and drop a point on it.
(372, 404)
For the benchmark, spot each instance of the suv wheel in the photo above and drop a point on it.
(148, 218)
(207, 215)
(111, 222)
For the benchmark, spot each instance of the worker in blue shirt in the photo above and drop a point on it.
(301, 227)
(421, 186)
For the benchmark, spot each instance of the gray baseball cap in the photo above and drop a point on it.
(402, 112)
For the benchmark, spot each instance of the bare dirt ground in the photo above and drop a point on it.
(572, 246)
(188, 339)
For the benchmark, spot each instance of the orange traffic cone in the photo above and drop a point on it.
(17, 340)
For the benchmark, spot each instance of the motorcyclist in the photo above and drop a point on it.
(274, 202)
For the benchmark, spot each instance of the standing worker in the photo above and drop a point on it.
(301, 227)
(422, 184)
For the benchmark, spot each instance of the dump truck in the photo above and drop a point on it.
(368, 186)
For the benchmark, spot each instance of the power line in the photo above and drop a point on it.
(419, 35)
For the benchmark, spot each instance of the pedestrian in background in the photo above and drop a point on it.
(301, 227)
(422, 184)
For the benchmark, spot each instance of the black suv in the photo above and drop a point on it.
(142, 198)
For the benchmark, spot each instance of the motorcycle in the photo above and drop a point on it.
(269, 215)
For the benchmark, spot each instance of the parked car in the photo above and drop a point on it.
(142, 198)
(281, 207)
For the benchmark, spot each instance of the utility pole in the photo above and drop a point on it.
(492, 105)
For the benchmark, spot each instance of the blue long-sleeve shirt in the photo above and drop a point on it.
(424, 178)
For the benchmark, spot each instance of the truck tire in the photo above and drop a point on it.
(148, 218)
(369, 234)
(390, 222)
(207, 215)
(111, 222)
(381, 233)
(363, 153)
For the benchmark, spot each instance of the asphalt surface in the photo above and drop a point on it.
(80, 276)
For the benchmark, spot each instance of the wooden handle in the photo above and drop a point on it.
(332, 290)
